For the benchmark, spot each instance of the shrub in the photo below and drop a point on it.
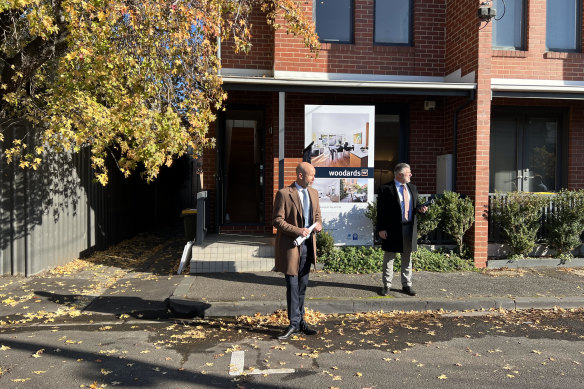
(518, 214)
(436, 261)
(324, 244)
(365, 259)
(428, 222)
(566, 222)
(457, 216)
(354, 259)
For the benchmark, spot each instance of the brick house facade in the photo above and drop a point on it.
(482, 94)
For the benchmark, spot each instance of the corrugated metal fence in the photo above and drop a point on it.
(57, 213)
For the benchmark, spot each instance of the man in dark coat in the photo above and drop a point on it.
(397, 206)
(296, 208)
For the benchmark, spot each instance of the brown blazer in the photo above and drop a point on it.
(288, 221)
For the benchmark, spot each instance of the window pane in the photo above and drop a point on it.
(392, 21)
(334, 20)
(561, 25)
(503, 165)
(540, 154)
(508, 30)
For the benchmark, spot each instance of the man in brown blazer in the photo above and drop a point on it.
(296, 208)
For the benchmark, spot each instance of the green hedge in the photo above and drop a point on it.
(366, 260)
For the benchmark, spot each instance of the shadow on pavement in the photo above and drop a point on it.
(256, 279)
(133, 372)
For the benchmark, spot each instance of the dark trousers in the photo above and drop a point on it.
(296, 286)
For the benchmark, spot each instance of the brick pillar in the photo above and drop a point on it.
(468, 44)
(479, 155)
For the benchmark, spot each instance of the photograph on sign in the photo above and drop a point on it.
(341, 147)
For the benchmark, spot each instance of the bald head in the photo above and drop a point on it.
(304, 174)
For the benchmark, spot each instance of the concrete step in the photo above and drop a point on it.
(233, 253)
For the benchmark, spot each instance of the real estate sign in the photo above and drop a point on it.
(343, 145)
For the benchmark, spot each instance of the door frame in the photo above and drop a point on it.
(521, 114)
(238, 112)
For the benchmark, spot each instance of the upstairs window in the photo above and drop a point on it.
(393, 22)
(509, 25)
(334, 20)
(563, 25)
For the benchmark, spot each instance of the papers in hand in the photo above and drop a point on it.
(298, 241)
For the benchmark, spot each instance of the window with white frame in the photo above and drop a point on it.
(563, 25)
(509, 25)
(334, 20)
(393, 22)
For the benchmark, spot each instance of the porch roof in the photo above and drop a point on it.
(311, 82)
(537, 89)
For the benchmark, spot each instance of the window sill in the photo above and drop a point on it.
(562, 55)
(510, 53)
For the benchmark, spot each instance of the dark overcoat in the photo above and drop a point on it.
(288, 221)
(389, 217)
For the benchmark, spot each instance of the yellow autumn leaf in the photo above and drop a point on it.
(442, 377)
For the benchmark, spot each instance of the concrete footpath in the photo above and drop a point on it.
(231, 294)
(138, 278)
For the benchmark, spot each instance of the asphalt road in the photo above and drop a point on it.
(520, 349)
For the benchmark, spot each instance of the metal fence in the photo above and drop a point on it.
(438, 237)
(58, 213)
(542, 234)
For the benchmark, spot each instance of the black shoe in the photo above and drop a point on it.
(408, 290)
(306, 330)
(385, 291)
(291, 330)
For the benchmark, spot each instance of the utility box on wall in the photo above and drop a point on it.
(443, 173)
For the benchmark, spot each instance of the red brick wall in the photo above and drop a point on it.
(468, 48)
(261, 55)
(478, 153)
(461, 36)
(535, 62)
(426, 141)
(425, 58)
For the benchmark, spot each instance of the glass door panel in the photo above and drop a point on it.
(503, 160)
(539, 154)
(524, 152)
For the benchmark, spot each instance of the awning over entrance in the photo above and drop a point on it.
(348, 84)
(537, 89)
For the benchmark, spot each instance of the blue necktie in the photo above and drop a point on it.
(306, 208)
